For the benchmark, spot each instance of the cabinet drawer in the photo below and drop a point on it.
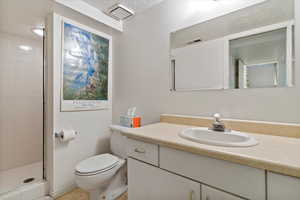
(237, 179)
(143, 151)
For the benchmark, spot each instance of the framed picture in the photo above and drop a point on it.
(86, 68)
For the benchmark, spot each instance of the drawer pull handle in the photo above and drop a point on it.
(137, 150)
(192, 195)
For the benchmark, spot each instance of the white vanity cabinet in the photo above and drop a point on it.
(147, 182)
(156, 172)
(209, 193)
(282, 187)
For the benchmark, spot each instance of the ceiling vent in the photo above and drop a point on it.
(120, 12)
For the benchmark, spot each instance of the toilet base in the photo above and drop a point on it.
(111, 187)
(96, 195)
(112, 195)
(116, 193)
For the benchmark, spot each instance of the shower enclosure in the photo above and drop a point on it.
(21, 111)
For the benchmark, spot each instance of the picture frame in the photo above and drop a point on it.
(86, 68)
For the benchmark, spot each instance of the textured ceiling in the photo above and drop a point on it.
(18, 17)
(135, 5)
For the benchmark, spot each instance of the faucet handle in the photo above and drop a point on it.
(217, 117)
(217, 124)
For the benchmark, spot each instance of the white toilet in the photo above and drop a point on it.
(105, 174)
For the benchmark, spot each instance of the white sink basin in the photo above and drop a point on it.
(226, 139)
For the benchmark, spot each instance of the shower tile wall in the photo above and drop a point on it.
(21, 103)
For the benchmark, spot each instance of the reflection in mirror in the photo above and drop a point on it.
(261, 60)
(249, 48)
(261, 75)
(198, 66)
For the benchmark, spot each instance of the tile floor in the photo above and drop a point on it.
(79, 194)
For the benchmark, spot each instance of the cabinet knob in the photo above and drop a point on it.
(192, 195)
(137, 150)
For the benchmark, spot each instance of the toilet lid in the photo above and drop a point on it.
(97, 163)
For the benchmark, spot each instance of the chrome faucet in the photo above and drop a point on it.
(218, 125)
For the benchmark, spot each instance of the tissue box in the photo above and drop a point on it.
(130, 122)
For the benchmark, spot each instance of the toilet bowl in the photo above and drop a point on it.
(98, 173)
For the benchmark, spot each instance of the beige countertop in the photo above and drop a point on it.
(273, 153)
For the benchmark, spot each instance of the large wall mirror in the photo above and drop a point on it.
(249, 48)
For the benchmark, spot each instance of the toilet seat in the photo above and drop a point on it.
(96, 165)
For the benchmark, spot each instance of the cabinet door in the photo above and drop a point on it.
(282, 187)
(237, 179)
(209, 193)
(146, 182)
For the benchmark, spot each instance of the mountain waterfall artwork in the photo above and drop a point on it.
(86, 61)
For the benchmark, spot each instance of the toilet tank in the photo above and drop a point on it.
(118, 144)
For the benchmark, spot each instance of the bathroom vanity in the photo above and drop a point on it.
(162, 165)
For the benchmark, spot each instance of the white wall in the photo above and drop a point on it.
(93, 126)
(21, 101)
(143, 77)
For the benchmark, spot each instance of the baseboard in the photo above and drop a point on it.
(62, 191)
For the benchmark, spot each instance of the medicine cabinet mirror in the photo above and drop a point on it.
(250, 48)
